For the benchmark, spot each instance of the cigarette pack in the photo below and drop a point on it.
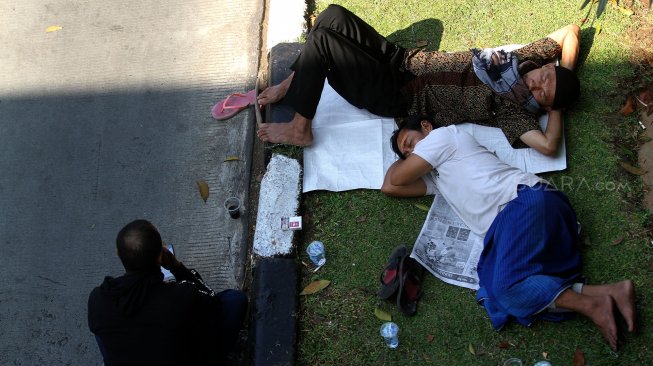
(291, 223)
(295, 223)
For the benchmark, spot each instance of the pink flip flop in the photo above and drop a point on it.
(233, 104)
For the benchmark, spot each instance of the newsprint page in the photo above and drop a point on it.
(446, 246)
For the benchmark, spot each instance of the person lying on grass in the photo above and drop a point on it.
(530, 265)
(504, 90)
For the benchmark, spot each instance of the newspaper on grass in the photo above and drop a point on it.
(447, 247)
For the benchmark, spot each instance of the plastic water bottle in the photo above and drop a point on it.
(389, 332)
(513, 362)
(543, 362)
(315, 251)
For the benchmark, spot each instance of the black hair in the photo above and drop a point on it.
(409, 123)
(139, 245)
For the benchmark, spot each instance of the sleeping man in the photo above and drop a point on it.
(490, 87)
(530, 265)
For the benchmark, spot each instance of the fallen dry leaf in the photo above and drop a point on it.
(504, 345)
(421, 43)
(382, 315)
(361, 219)
(315, 286)
(632, 169)
(579, 358)
(422, 207)
(430, 338)
(545, 355)
(471, 349)
(617, 241)
(204, 189)
(231, 158)
(53, 28)
(628, 108)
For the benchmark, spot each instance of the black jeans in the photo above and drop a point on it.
(360, 64)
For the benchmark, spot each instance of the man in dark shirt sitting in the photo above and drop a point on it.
(138, 319)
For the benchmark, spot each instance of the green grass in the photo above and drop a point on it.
(360, 228)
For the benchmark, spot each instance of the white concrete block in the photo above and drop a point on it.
(279, 197)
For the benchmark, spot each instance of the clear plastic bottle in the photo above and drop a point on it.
(544, 362)
(512, 362)
(315, 251)
(390, 331)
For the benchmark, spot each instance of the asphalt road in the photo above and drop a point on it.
(105, 119)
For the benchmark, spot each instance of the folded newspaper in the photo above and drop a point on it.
(447, 247)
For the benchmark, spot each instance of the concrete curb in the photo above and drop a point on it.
(272, 334)
(274, 287)
(274, 308)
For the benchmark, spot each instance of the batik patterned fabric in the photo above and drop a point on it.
(446, 87)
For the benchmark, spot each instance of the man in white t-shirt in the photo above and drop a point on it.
(530, 265)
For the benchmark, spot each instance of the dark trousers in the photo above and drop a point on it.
(231, 318)
(360, 64)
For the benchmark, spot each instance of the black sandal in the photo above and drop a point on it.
(390, 278)
(410, 286)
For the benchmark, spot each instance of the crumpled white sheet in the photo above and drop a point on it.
(351, 147)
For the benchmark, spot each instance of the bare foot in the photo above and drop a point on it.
(602, 314)
(296, 132)
(275, 93)
(623, 294)
(271, 95)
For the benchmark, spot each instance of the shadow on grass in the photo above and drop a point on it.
(586, 42)
(428, 30)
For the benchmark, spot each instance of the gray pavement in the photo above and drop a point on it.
(108, 120)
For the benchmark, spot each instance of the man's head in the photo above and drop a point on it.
(554, 87)
(139, 246)
(412, 131)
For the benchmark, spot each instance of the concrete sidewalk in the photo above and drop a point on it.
(103, 121)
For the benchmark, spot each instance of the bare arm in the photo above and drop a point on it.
(414, 189)
(567, 38)
(407, 172)
(547, 142)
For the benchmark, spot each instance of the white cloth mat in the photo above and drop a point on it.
(351, 147)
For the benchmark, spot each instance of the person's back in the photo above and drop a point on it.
(141, 320)
(138, 319)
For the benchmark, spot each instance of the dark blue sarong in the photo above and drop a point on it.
(530, 256)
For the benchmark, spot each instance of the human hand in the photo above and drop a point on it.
(168, 260)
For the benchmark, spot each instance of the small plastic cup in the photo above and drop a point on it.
(390, 333)
(232, 205)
